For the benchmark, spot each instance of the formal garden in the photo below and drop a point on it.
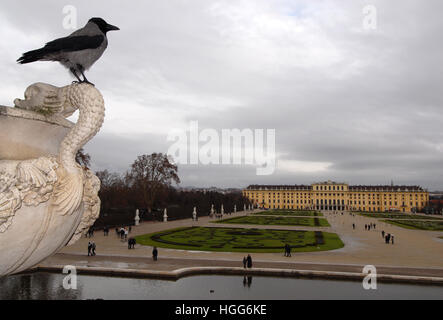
(295, 213)
(241, 240)
(418, 224)
(277, 221)
(398, 216)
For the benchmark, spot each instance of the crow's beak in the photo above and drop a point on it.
(110, 27)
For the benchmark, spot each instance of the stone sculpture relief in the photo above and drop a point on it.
(49, 201)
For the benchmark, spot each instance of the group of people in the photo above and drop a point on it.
(370, 226)
(91, 248)
(131, 243)
(123, 232)
(90, 232)
(247, 261)
(389, 238)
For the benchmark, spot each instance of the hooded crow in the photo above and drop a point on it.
(78, 51)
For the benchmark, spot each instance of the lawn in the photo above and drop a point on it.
(241, 240)
(295, 213)
(277, 221)
(388, 215)
(418, 225)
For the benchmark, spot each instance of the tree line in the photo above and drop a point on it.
(148, 185)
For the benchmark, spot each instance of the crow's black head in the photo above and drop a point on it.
(103, 25)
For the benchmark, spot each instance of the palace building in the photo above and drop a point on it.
(338, 196)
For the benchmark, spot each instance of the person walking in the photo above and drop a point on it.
(249, 259)
(155, 254)
(383, 234)
(89, 248)
(126, 233)
(93, 248)
(392, 238)
(244, 262)
(289, 251)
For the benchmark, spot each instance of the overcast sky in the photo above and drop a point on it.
(347, 103)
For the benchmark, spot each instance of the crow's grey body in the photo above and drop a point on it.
(78, 51)
(87, 57)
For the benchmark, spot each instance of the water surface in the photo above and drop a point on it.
(50, 286)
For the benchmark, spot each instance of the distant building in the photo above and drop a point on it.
(338, 196)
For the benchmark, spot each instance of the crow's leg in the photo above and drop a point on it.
(83, 74)
(75, 74)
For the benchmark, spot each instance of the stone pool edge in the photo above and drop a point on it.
(235, 271)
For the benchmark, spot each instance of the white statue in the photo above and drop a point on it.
(47, 199)
(194, 214)
(235, 208)
(137, 217)
(212, 211)
(222, 210)
(165, 215)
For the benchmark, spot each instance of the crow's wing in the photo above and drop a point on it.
(67, 44)
(75, 43)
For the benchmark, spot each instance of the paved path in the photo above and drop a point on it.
(414, 252)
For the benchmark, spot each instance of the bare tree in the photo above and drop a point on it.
(150, 175)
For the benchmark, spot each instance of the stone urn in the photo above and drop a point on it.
(47, 200)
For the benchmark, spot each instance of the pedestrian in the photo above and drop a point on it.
(353, 226)
(89, 248)
(392, 238)
(93, 248)
(383, 234)
(289, 251)
(249, 261)
(244, 262)
(126, 233)
(155, 254)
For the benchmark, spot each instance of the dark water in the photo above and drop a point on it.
(50, 286)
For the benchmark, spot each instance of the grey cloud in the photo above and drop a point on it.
(368, 103)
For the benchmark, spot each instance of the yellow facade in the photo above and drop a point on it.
(339, 196)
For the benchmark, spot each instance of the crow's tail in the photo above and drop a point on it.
(32, 56)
